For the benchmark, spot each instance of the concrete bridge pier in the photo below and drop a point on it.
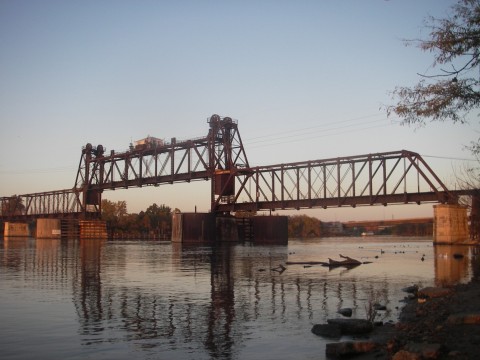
(48, 229)
(450, 224)
(193, 227)
(17, 229)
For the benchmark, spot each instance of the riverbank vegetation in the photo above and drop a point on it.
(154, 222)
(302, 226)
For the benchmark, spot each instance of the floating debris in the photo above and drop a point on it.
(280, 268)
(347, 262)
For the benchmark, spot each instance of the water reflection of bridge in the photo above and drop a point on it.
(231, 291)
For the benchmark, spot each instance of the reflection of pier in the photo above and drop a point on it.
(453, 263)
(87, 287)
(221, 315)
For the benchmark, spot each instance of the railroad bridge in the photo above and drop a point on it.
(397, 177)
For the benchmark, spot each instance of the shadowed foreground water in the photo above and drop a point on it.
(149, 300)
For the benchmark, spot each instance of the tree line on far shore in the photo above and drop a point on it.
(303, 226)
(154, 222)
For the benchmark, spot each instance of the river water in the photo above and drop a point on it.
(86, 299)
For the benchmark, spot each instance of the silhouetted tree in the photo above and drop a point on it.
(13, 206)
(155, 220)
(468, 177)
(452, 91)
(160, 218)
(112, 213)
(303, 226)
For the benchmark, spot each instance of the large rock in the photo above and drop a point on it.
(347, 312)
(379, 307)
(406, 355)
(434, 292)
(327, 330)
(352, 326)
(464, 318)
(425, 350)
(411, 289)
(349, 348)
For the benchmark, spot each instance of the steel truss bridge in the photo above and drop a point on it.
(397, 177)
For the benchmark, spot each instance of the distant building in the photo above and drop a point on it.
(149, 142)
(335, 228)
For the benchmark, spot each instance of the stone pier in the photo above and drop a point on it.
(16, 229)
(93, 229)
(270, 230)
(450, 224)
(48, 229)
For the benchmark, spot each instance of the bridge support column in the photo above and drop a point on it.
(450, 224)
(16, 229)
(48, 229)
(93, 229)
(270, 229)
(227, 229)
(193, 228)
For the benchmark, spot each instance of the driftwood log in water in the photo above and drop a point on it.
(348, 261)
(323, 263)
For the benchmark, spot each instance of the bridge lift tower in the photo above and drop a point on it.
(219, 157)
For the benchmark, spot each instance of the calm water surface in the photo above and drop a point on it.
(149, 300)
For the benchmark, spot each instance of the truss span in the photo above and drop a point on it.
(398, 177)
(56, 204)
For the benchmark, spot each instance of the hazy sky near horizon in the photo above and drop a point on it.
(305, 80)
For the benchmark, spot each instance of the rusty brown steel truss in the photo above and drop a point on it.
(398, 177)
(206, 158)
(170, 162)
(55, 204)
(381, 178)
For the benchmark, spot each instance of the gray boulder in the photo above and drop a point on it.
(434, 292)
(352, 326)
(464, 318)
(350, 348)
(327, 330)
(411, 289)
(347, 312)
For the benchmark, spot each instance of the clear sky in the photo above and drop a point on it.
(305, 80)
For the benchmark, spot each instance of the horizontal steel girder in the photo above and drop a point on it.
(383, 178)
(418, 198)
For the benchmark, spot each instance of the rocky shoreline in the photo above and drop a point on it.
(435, 323)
